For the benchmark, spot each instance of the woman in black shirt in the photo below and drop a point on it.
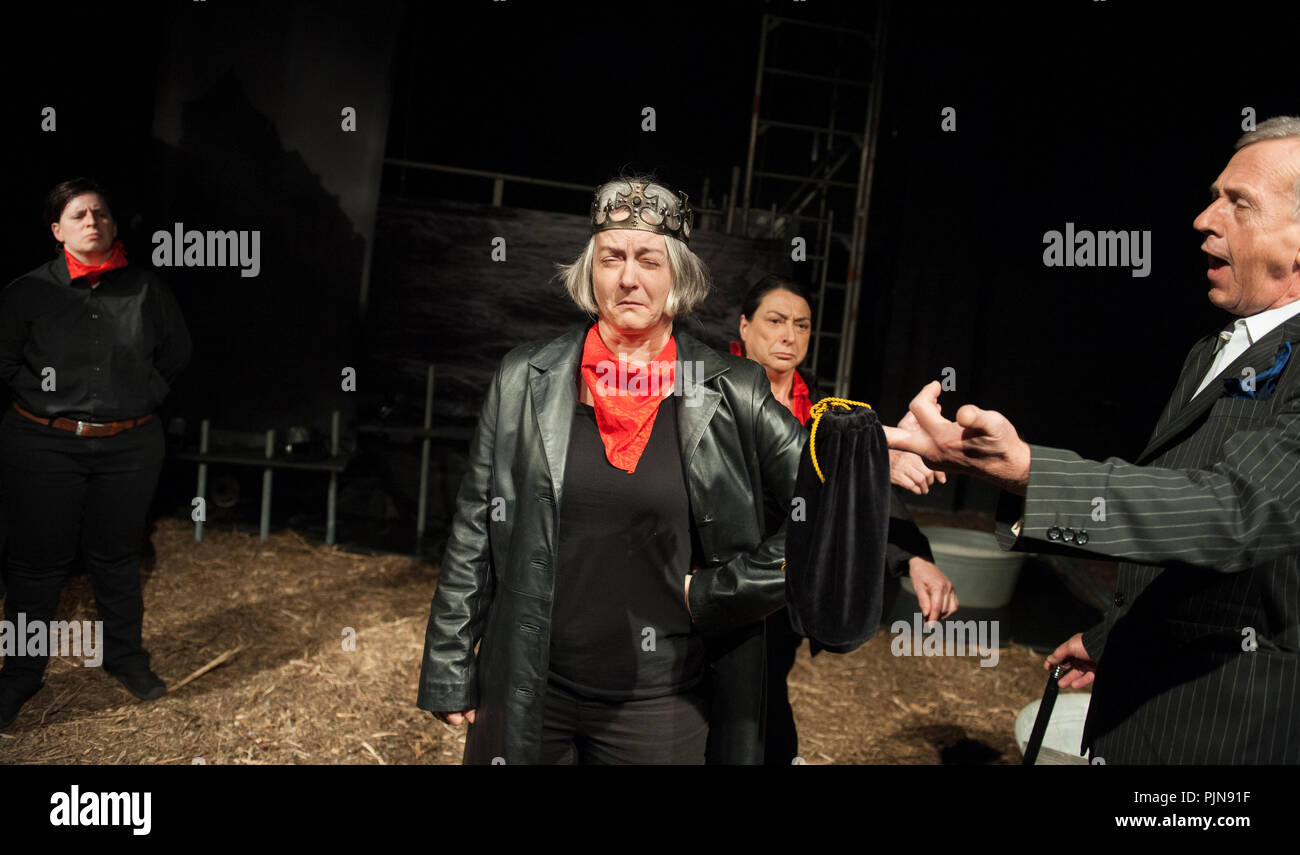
(775, 324)
(89, 347)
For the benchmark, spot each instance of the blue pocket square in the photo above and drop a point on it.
(1262, 386)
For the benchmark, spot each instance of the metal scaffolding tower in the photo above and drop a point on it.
(812, 147)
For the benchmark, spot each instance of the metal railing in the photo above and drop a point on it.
(705, 216)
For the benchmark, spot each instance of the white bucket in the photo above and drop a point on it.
(983, 574)
(1064, 729)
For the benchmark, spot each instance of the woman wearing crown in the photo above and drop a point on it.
(608, 555)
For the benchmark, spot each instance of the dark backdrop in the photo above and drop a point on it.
(1097, 113)
(1100, 114)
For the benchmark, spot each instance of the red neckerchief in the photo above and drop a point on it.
(626, 397)
(76, 269)
(801, 405)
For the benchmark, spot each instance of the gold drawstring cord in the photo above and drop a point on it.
(818, 410)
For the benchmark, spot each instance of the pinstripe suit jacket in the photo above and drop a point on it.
(1199, 658)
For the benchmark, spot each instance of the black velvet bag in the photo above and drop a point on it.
(836, 536)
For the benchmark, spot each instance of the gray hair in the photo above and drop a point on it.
(1276, 128)
(691, 280)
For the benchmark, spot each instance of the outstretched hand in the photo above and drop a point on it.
(982, 443)
(908, 470)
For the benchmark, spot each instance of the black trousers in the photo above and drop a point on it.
(668, 730)
(63, 490)
(781, 739)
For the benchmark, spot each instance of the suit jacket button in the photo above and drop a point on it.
(1082, 537)
(1119, 599)
(1068, 535)
(713, 559)
(1054, 533)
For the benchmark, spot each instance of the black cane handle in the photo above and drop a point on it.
(1044, 715)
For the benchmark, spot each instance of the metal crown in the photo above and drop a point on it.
(647, 207)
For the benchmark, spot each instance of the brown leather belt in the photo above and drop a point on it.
(86, 428)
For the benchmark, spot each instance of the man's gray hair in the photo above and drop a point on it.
(1276, 128)
(691, 280)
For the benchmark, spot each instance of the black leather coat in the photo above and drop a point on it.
(498, 572)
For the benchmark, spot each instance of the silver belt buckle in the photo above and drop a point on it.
(82, 425)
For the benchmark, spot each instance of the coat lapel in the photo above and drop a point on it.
(1183, 408)
(1181, 413)
(699, 364)
(553, 386)
(1194, 368)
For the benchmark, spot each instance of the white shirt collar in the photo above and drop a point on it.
(1263, 323)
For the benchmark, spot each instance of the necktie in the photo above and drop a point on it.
(1235, 339)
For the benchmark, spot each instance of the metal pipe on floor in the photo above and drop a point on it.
(203, 478)
(332, 502)
(266, 486)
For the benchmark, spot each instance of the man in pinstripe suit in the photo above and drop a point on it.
(1199, 659)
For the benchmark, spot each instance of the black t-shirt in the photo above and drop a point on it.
(620, 629)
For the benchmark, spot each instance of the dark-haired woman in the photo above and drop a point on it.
(775, 323)
(89, 346)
